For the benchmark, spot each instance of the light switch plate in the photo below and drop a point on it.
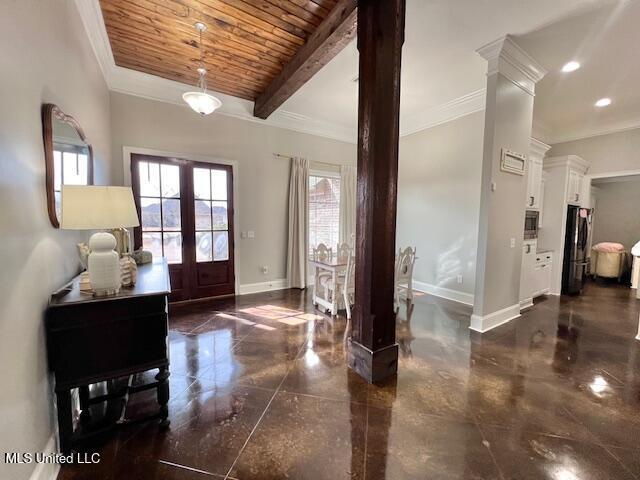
(513, 242)
(251, 234)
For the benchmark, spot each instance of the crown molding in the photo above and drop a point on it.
(571, 161)
(506, 57)
(456, 108)
(131, 82)
(537, 148)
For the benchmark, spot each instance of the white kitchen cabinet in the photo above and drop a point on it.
(543, 185)
(534, 184)
(535, 277)
(527, 280)
(541, 276)
(574, 192)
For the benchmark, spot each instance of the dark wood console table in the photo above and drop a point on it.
(95, 339)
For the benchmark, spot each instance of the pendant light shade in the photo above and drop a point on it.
(200, 101)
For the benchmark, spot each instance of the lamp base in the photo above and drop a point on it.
(104, 265)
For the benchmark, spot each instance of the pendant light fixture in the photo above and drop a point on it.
(201, 101)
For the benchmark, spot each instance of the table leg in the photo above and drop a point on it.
(163, 395)
(65, 422)
(334, 296)
(315, 285)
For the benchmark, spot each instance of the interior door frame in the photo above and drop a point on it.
(126, 163)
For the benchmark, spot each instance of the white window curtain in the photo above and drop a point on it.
(297, 249)
(347, 203)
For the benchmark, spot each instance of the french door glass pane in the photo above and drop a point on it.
(220, 216)
(201, 183)
(220, 246)
(218, 185)
(171, 214)
(172, 244)
(161, 216)
(170, 179)
(149, 179)
(203, 214)
(153, 243)
(203, 247)
(150, 213)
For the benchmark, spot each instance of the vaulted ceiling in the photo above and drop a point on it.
(246, 44)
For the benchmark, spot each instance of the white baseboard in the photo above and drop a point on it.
(526, 303)
(484, 323)
(269, 286)
(448, 293)
(47, 471)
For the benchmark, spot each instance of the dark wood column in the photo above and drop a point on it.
(373, 351)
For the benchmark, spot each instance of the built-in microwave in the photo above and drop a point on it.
(531, 224)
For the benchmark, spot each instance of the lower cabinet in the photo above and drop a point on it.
(535, 279)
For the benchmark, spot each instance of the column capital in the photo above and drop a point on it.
(506, 57)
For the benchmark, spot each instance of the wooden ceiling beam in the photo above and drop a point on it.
(333, 34)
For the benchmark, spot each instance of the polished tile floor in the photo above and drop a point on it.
(260, 390)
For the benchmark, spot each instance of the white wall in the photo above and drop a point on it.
(615, 152)
(617, 214)
(438, 203)
(263, 180)
(44, 58)
(508, 123)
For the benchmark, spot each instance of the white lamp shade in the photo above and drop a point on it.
(89, 207)
(201, 102)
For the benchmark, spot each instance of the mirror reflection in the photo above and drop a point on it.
(68, 156)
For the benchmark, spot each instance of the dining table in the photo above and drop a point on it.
(333, 266)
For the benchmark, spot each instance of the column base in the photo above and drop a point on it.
(373, 366)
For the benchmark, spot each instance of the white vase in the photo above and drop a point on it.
(104, 264)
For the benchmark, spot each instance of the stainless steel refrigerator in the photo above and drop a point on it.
(574, 263)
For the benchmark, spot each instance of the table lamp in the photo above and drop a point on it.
(89, 207)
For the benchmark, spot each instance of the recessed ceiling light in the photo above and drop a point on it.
(603, 102)
(571, 66)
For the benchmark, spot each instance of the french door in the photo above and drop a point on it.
(186, 215)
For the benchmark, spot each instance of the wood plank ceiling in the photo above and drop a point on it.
(246, 45)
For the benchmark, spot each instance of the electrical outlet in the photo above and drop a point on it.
(459, 278)
(243, 234)
(251, 234)
(264, 269)
(513, 242)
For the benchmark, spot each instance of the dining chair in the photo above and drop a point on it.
(344, 285)
(322, 252)
(405, 261)
(343, 250)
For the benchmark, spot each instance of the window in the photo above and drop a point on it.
(70, 167)
(160, 210)
(212, 217)
(324, 210)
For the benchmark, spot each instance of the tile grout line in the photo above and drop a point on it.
(600, 444)
(255, 427)
(484, 439)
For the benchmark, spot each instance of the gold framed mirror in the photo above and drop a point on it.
(68, 156)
